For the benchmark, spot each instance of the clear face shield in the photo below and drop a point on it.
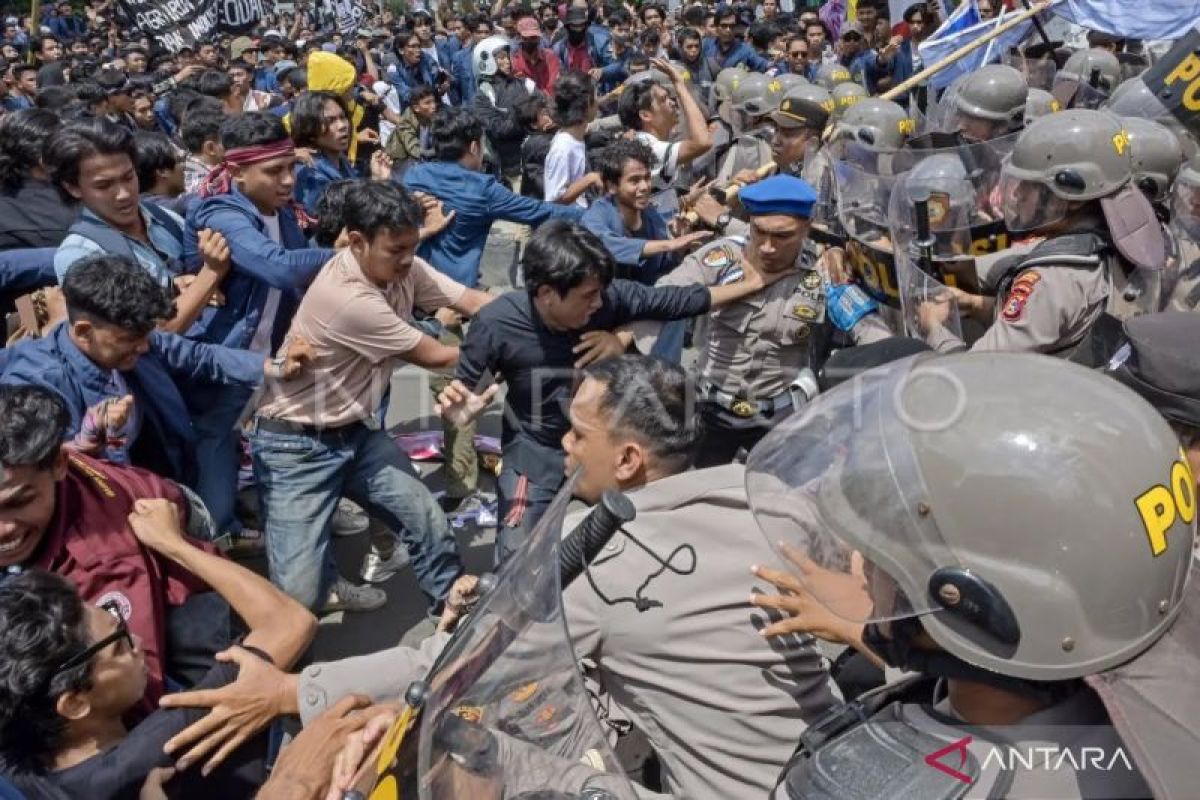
(837, 491)
(1071, 92)
(1185, 210)
(506, 712)
(1039, 72)
(1028, 205)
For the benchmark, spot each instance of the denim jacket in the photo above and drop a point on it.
(259, 264)
(311, 181)
(159, 381)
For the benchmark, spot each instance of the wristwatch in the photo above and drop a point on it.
(723, 221)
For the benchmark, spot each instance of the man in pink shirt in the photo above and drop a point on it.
(319, 437)
(533, 61)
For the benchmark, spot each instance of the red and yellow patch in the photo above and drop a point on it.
(1018, 296)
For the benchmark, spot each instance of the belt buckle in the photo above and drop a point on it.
(743, 408)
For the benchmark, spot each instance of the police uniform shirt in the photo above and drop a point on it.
(722, 707)
(1048, 309)
(748, 151)
(756, 346)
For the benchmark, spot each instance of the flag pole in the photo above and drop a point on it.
(968, 48)
(35, 27)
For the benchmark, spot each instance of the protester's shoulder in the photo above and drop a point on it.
(209, 208)
(119, 482)
(507, 307)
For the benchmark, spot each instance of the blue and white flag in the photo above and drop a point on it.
(955, 34)
(1146, 19)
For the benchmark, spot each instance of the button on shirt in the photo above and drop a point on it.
(358, 330)
(161, 258)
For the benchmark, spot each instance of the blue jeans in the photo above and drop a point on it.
(218, 456)
(520, 504)
(300, 477)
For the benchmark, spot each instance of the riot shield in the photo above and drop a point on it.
(1039, 72)
(504, 713)
(863, 199)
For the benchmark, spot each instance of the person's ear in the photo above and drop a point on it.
(73, 705)
(81, 329)
(59, 469)
(237, 173)
(73, 190)
(631, 461)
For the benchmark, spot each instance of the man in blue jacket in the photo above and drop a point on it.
(122, 381)
(477, 199)
(250, 203)
(727, 49)
(587, 48)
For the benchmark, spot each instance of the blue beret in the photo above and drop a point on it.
(779, 194)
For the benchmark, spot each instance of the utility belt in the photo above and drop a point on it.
(743, 407)
(289, 428)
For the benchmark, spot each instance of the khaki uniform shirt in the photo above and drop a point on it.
(1047, 310)
(746, 152)
(722, 706)
(754, 348)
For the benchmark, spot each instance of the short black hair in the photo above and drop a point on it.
(33, 424)
(154, 152)
(116, 290)
(724, 12)
(915, 8)
(453, 131)
(42, 625)
(22, 135)
(619, 16)
(610, 161)
(200, 124)
(90, 92)
(761, 34)
(112, 81)
(215, 83)
(574, 94)
(634, 100)
(297, 77)
(43, 38)
(252, 128)
(562, 255)
(687, 35)
(419, 93)
(308, 116)
(371, 206)
(331, 212)
(67, 147)
(19, 69)
(662, 11)
(650, 400)
(693, 16)
(53, 98)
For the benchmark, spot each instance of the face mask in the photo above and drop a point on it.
(529, 47)
(575, 37)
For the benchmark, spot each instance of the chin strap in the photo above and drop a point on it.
(898, 650)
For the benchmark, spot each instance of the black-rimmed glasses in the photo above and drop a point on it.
(121, 632)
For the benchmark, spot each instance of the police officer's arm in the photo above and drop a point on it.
(1037, 314)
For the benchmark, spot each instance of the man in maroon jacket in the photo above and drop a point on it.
(68, 513)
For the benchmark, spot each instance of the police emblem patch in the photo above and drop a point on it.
(717, 258)
(811, 280)
(469, 713)
(1018, 296)
(523, 693)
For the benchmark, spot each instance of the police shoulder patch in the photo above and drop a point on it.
(718, 257)
(1019, 294)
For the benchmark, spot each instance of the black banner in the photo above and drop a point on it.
(1175, 80)
(183, 23)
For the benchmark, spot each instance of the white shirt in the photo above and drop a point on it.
(565, 163)
(666, 156)
(261, 343)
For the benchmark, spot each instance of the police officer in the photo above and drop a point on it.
(991, 103)
(1038, 104)
(1088, 79)
(755, 97)
(799, 122)
(1069, 179)
(845, 95)
(1185, 229)
(831, 74)
(1004, 593)
(870, 133)
(1157, 158)
(757, 357)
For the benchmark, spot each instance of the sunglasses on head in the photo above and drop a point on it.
(120, 632)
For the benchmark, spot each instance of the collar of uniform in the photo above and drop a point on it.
(674, 491)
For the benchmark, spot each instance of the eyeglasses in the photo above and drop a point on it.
(121, 632)
(798, 53)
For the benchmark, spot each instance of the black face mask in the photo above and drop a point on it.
(574, 36)
(529, 47)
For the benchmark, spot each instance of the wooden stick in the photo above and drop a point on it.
(1009, 24)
